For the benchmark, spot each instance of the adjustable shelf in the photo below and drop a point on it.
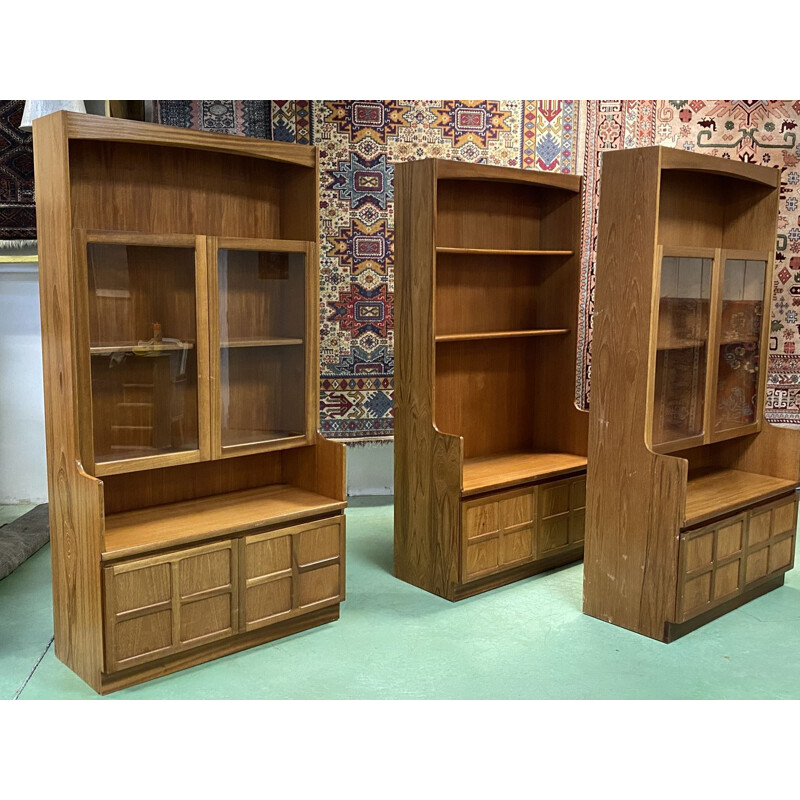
(129, 347)
(466, 337)
(495, 251)
(266, 342)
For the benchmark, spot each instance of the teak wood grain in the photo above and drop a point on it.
(486, 297)
(657, 202)
(146, 207)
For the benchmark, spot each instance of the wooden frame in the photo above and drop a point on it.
(645, 506)
(486, 309)
(94, 184)
(81, 239)
(310, 343)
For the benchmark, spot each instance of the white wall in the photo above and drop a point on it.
(23, 467)
(370, 468)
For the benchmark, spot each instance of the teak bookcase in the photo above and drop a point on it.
(490, 449)
(194, 508)
(691, 497)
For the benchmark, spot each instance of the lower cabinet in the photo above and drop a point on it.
(724, 559)
(518, 526)
(162, 605)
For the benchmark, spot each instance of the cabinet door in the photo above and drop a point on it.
(163, 605)
(682, 349)
(497, 532)
(562, 515)
(143, 352)
(291, 571)
(261, 344)
(740, 337)
(771, 540)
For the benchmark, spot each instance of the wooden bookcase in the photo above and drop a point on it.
(691, 496)
(194, 508)
(490, 449)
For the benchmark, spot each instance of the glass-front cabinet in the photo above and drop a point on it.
(260, 351)
(709, 347)
(192, 348)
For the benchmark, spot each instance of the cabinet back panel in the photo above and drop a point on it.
(189, 481)
(484, 392)
(153, 189)
(485, 293)
(487, 214)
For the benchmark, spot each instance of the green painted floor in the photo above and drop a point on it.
(527, 640)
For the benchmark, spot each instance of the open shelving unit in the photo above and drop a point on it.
(195, 510)
(677, 435)
(490, 450)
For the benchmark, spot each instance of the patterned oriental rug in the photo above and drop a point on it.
(359, 140)
(17, 207)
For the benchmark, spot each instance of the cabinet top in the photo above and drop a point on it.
(670, 158)
(465, 170)
(89, 126)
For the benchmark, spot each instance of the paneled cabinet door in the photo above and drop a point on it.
(290, 571)
(263, 327)
(165, 604)
(497, 532)
(562, 515)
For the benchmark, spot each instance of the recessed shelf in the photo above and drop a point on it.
(142, 531)
(712, 492)
(274, 341)
(129, 347)
(483, 251)
(466, 337)
(488, 473)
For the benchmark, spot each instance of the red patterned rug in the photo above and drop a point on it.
(17, 207)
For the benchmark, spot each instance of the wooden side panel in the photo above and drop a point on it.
(292, 571)
(320, 468)
(76, 500)
(427, 474)
(631, 549)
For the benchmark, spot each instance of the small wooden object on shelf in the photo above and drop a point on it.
(194, 508)
(490, 449)
(691, 497)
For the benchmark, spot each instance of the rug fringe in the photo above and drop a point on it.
(17, 244)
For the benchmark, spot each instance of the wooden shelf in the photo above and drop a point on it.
(267, 342)
(135, 532)
(712, 492)
(237, 437)
(488, 473)
(481, 251)
(129, 347)
(466, 337)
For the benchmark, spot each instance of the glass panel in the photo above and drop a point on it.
(739, 343)
(262, 354)
(142, 333)
(682, 349)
